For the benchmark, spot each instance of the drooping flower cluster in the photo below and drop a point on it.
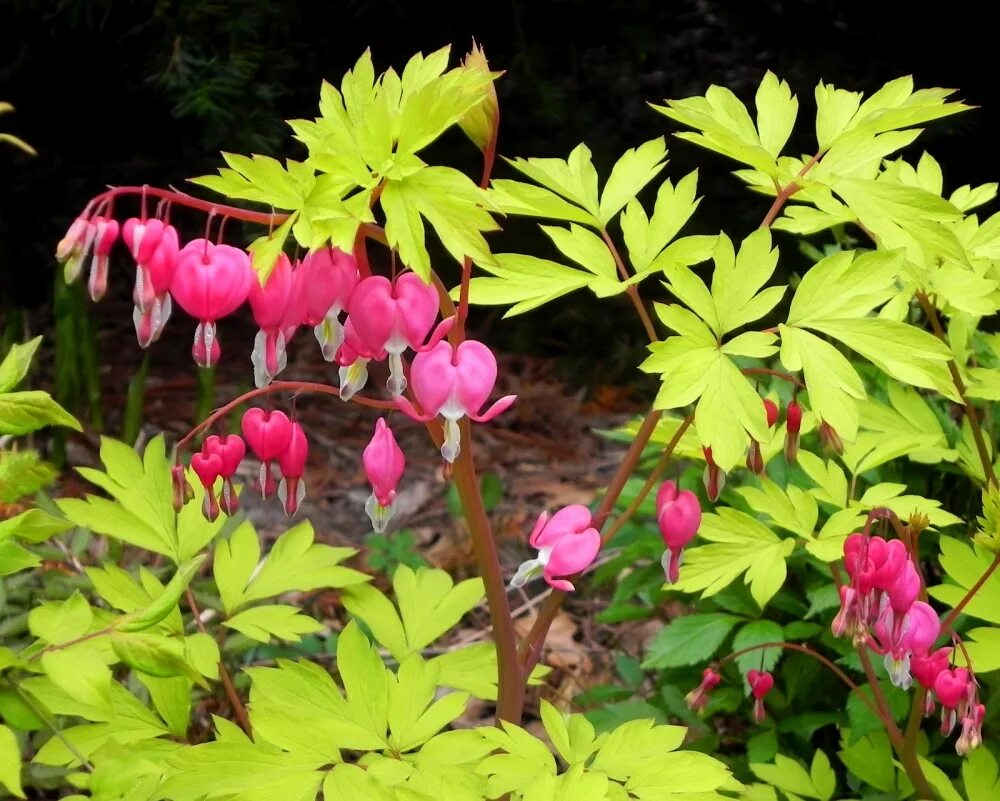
(880, 609)
(760, 682)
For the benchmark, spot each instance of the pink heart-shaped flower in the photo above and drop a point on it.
(230, 451)
(208, 468)
(267, 433)
(211, 281)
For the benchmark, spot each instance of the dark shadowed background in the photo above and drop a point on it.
(111, 91)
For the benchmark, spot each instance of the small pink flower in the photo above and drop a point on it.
(698, 698)
(396, 316)
(679, 516)
(151, 294)
(952, 688)
(208, 466)
(384, 463)
(210, 282)
(913, 636)
(142, 237)
(330, 275)
(927, 667)
(793, 425)
(268, 435)
(714, 477)
(761, 682)
(105, 235)
(74, 247)
(567, 544)
(230, 451)
(269, 304)
(292, 462)
(454, 383)
(972, 730)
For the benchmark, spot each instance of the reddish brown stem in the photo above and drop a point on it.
(239, 710)
(776, 373)
(631, 290)
(277, 386)
(787, 192)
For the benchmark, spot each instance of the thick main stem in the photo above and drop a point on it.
(511, 678)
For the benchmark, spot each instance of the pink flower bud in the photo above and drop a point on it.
(142, 237)
(105, 234)
(567, 544)
(395, 316)
(927, 667)
(292, 462)
(269, 304)
(73, 248)
(230, 451)
(714, 478)
(182, 491)
(207, 467)
(698, 698)
(210, 281)
(793, 424)
(972, 730)
(455, 384)
(761, 682)
(384, 463)
(152, 288)
(268, 435)
(830, 439)
(678, 514)
(771, 411)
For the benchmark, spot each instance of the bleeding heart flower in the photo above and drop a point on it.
(353, 355)
(698, 698)
(972, 730)
(714, 477)
(142, 237)
(395, 316)
(953, 688)
(230, 451)
(761, 682)
(269, 304)
(330, 276)
(105, 235)
(678, 514)
(268, 435)
(567, 544)
(384, 463)
(927, 667)
(292, 462)
(455, 384)
(210, 282)
(793, 425)
(151, 294)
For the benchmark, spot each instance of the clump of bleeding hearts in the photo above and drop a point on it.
(880, 609)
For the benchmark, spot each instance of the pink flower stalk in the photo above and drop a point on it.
(210, 282)
(698, 698)
(353, 355)
(73, 248)
(269, 304)
(208, 467)
(331, 276)
(230, 451)
(793, 425)
(714, 478)
(679, 516)
(151, 294)
(761, 682)
(567, 544)
(105, 235)
(384, 463)
(395, 316)
(454, 383)
(292, 462)
(268, 435)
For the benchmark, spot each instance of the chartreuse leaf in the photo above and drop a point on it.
(455, 207)
(414, 715)
(870, 758)
(828, 545)
(724, 125)
(963, 566)
(296, 563)
(234, 563)
(10, 762)
(282, 621)
(790, 776)
(908, 419)
(29, 410)
(589, 251)
(738, 544)
(689, 640)
(636, 168)
(166, 602)
(520, 759)
(261, 179)
(141, 512)
(33, 526)
(14, 559)
(573, 178)
(265, 250)
(429, 602)
(793, 509)
(572, 736)
(171, 698)
(524, 283)
(56, 622)
(23, 473)
(939, 780)
(980, 776)
(988, 532)
(80, 672)
(15, 364)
